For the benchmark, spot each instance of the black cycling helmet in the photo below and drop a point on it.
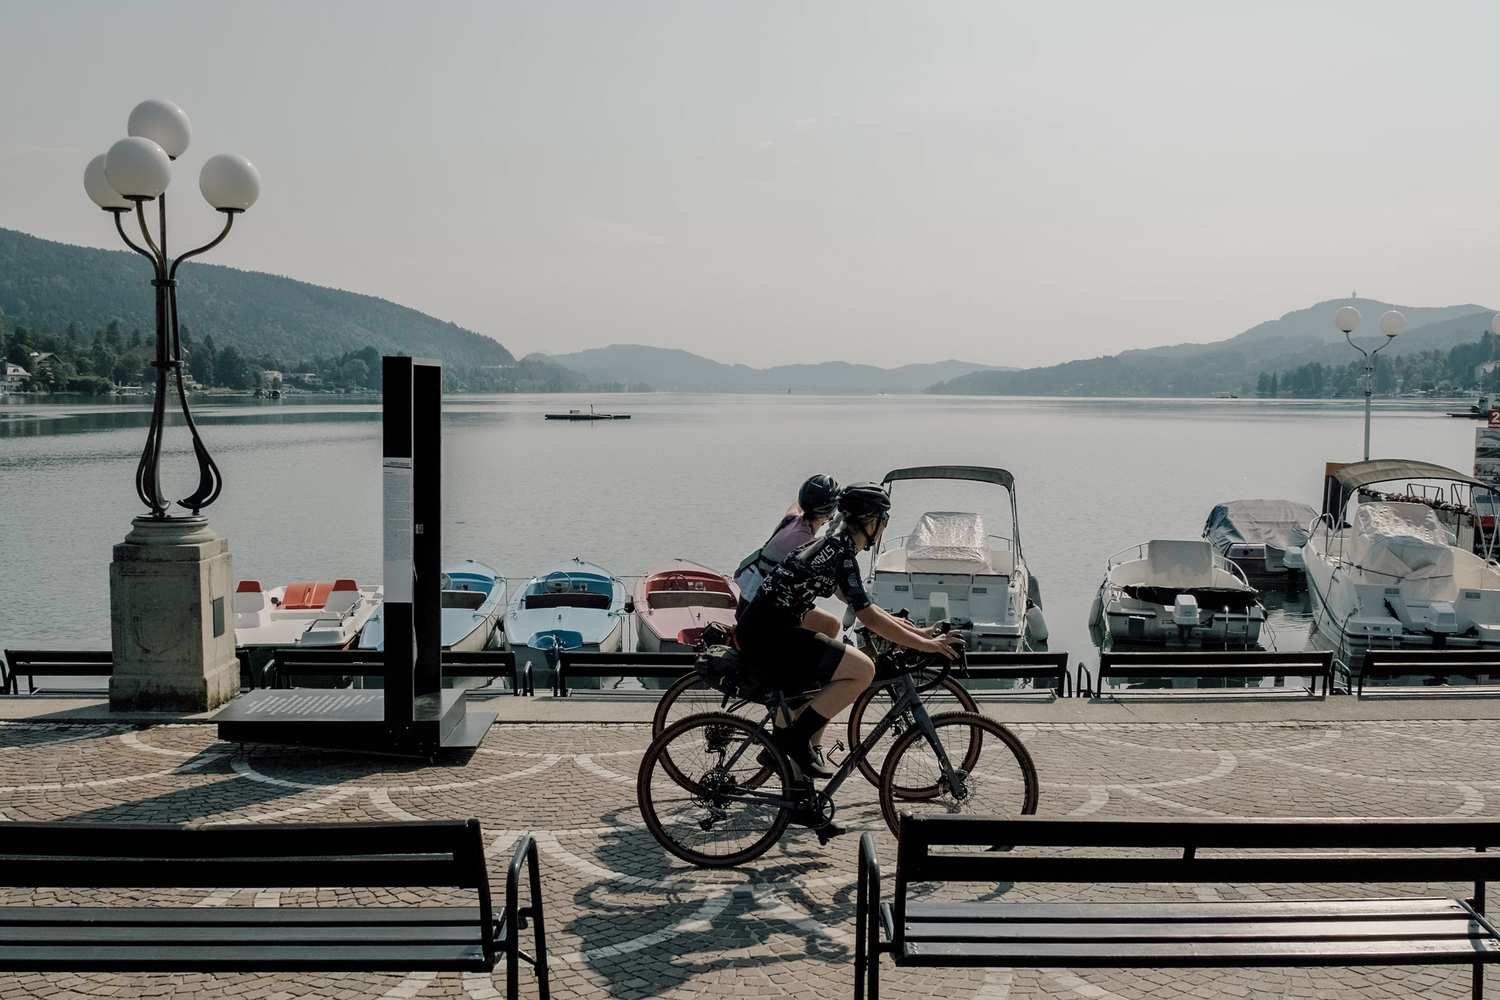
(861, 501)
(818, 496)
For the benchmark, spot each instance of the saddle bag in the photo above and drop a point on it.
(723, 669)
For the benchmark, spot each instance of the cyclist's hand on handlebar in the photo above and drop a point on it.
(949, 646)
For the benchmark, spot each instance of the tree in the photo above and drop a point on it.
(232, 370)
(354, 373)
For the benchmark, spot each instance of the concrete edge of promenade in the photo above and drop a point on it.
(630, 708)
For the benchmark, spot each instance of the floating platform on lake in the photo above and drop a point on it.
(588, 414)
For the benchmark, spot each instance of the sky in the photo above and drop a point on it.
(769, 182)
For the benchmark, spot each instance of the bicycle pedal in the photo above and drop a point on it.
(828, 832)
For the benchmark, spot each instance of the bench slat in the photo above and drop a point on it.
(268, 935)
(1342, 909)
(246, 873)
(1089, 930)
(348, 956)
(1203, 954)
(236, 916)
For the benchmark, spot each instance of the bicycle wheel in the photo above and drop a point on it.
(948, 696)
(702, 808)
(1002, 783)
(691, 695)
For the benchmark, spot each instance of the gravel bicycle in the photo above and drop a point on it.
(716, 791)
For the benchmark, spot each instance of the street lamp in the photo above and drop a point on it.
(138, 169)
(1391, 324)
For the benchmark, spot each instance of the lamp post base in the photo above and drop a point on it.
(171, 622)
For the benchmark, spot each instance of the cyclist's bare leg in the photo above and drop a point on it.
(853, 675)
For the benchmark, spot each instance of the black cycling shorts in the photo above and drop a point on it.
(792, 659)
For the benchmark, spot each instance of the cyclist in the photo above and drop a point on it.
(814, 507)
(782, 631)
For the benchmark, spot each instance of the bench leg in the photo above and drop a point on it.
(1478, 990)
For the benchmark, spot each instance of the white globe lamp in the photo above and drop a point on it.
(229, 183)
(98, 187)
(1392, 322)
(1347, 319)
(138, 168)
(164, 123)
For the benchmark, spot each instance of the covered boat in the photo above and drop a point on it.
(951, 567)
(1177, 592)
(1256, 535)
(1400, 566)
(473, 605)
(673, 605)
(576, 606)
(325, 615)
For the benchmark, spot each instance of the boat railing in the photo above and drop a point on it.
(1133, 552)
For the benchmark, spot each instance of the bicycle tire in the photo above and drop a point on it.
(682, 693)
(985, 771)
(869, 765)
(656, 755)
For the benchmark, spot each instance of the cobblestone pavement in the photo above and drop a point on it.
(627, 922)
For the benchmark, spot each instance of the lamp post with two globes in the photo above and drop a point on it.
(137, 170)
(1391, 324)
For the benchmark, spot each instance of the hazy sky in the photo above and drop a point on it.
(770, 182)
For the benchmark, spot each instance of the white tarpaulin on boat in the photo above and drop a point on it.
(1178, 563)
(946, 541)
(1404, 543)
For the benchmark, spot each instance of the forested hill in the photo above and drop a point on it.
(48, 286)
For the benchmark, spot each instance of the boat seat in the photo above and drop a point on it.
(660, 599)
(345, 595)
(1179, 563)
(469, 600)
(576, 599)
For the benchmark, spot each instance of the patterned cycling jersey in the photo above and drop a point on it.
(818, 569)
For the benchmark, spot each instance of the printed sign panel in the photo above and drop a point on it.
(1487, 454)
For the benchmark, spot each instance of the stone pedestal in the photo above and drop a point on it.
(171, 620)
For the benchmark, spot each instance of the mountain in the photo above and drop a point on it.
(672, 370)
(1232, 365)
(46, 286)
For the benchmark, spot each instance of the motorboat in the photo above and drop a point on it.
(1476, 411)
(1177, 592)
(577, 606)
(673, 605)
(473, 606)
(1256, 535)
(319, 614)
(1412, 565)
(950, 567)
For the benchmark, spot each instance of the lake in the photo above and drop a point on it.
(697, 477)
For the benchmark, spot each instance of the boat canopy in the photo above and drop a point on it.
(1279, 523)
(976, 473)
(1384, 470)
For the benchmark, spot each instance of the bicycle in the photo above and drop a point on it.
(692, 694)
(717, 782)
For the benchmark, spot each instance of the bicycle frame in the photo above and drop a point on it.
(907, 699)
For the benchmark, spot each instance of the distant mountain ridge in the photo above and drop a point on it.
(1297, 338)
(673, 370)
(48, 285)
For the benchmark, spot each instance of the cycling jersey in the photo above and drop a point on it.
(818, 569)
(791, 534)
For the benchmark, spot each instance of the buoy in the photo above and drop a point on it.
(1036, 625)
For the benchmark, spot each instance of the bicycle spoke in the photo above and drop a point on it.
(1002, 784)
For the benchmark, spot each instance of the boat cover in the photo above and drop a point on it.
(946, 541)
(1280, 524)
(1179, 564)
(1404, 543)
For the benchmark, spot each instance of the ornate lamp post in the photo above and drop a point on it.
(1391, 324)
(171, 624)
(137, 170)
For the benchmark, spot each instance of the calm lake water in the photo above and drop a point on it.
(698, 477)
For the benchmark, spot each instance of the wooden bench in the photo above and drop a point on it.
(575, 664)
(367, 938)
(31, 663)
(290, 664)
(1315, 665)
(1436, 665)
(1052, 667)
(1421, 929)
